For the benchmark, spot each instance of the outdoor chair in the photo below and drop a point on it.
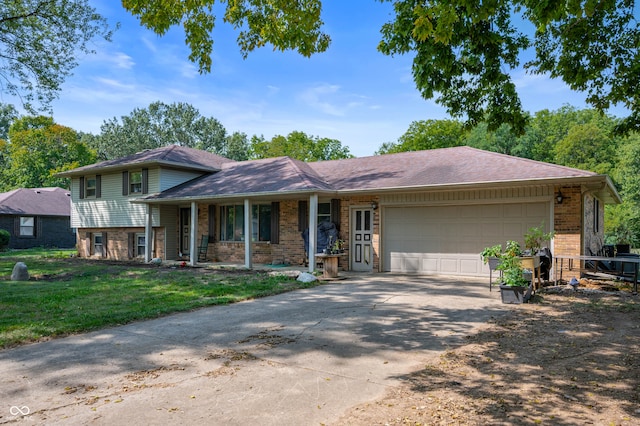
(203, 248)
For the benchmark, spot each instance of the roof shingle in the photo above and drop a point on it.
(36, 202)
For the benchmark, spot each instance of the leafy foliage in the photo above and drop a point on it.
(157, 126)
(465, 50)
(284, 24)
(39, 43)
(40, 148)
(300, 146)
(427, 134)
(4, 239)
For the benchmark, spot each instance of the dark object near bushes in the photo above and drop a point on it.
(4, 239)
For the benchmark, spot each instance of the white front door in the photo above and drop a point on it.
(361, 239)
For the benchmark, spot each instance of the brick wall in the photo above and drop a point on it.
(117, 242)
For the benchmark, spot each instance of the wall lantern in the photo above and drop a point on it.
(559, 197)
(374, 205)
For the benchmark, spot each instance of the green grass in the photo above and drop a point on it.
(68, 296)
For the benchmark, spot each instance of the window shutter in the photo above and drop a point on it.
(81, 187)
(125, 183)
(37, 225)
(212, 222)
(104, 244)
(145, 181)
(88, 243)
(16, 226)
(335, 212)
(98, 186)
(131, 241)
(275, 223)
(303, 223)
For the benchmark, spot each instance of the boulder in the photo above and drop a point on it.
(20, 272)
(306, 277)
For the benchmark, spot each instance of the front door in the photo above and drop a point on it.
(185, 231)
(361, 239)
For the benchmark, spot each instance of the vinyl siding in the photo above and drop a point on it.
(112, 209)
(172, 177)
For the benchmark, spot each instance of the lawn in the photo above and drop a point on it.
(69, 295)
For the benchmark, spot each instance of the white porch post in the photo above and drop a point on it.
(193, 251)
(248, 232)
(148, 234)
(313, 231)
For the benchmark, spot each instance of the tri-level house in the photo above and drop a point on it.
(426, 212)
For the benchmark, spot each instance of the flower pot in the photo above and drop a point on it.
(514, 294)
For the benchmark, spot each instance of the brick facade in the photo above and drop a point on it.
(117, 242)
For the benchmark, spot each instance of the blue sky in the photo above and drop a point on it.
(351, 93)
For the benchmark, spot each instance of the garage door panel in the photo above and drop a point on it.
(449, 239)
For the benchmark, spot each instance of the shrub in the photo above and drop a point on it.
(4, 239)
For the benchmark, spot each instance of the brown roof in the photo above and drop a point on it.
(437, 167)
(444, 167)
(172, 155)
(272, 175)
(36, 202)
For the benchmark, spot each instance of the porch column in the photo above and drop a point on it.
(148, 235)
(193, 250)
(313, 231)
(248, 232)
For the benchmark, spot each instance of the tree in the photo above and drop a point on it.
(160, 125)
(40, 41)
(237, 147)
(40, 148)
(464, 51)
(300, 146)
(284, 24)
(8, 114)
(427, 134)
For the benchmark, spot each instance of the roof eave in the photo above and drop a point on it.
(127, 166)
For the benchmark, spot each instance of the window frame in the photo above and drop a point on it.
(95, 245)
(139, 246)
(135, 185)
(22, 226)
(260, 218)
(90, 191)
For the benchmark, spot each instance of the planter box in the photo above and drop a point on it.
(516, 295)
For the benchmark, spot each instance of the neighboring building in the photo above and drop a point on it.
(37, 217)
(426, 212)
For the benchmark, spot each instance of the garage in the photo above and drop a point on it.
(448, 239)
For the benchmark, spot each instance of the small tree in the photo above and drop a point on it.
(4, 239)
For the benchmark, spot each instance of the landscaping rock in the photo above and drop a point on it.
(306, 277)
(20, 272)
(289, 273)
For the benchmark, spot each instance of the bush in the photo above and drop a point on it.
(4, 239)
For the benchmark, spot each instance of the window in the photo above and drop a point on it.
(232, 223)
(27, 226)
(324, 212)
(135, 183)
(140, 245)
(90, 188)
(98, 244)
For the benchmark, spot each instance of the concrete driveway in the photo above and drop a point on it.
(301, 358)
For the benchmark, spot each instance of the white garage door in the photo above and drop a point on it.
(449, 239)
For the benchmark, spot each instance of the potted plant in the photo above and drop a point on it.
(514, 286)
(535, 237)
(491, 255)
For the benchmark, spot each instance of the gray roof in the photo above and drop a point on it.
(273, 175)
(171, 156)
(36, 202)
(437, 167)
(446, 167)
